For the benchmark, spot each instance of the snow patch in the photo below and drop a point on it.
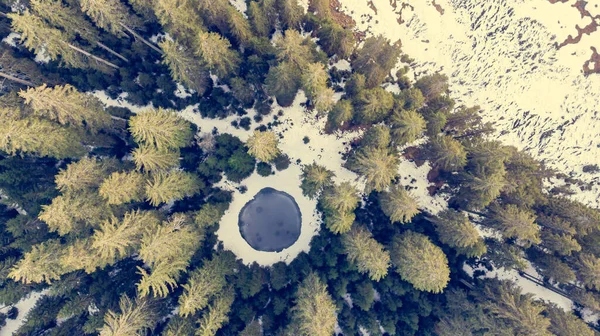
(24, 306)
(11, 39)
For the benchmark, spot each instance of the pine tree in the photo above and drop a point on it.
(161, 128)
(87, 173)
(515, 223)
(283, 81)
(109, 15)
(180, 18)
(315, 311)
(204, 283)
(376, 59)
(134, 318)
(378, 165)
(320, 8)
(117, 239)
(184, 67)
(342, 197)
(39, 137)
(293, 48)
(252, 329)
(123, 187)
(67, 106)
(314, 83)
(43, 39)
(340, 115)
(290, 14)
(216, 52)
(173, 240)
(74, 212)
(551, 267)
(368, 254)
(339, 222)
(335, 40)
(144, 8)
(407, 126)
(263, 145)
(179, 326)
(80, 256)
(373, 106)
(209, 215)
(446, 153)
(41, 264)
(171, 186)
(420, 262)
(588, 270)
(398, 204)
(314, 179)
(238, 26)
(376, 136)
(68, 18)
(151, 159)
(162, 279)
(482, 188)
(217, 314)
(565, 323)
(560, 243)
(455, 230)
(432, 85)
(259, 18)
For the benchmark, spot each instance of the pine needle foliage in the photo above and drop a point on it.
(123, 187)
(73, 212)
(339, 222)
(407, 126)
(398, 204)
(341, 197)
(161, 128)
(514, 222)
(41, 264)
(87, 173)
(68, 18)
(150, 159)
(171, 186)
(108, 15)
(215, 50)
(378, 165)
(263, 145)
(315, 311)
(217, 314)
(184, 67)
(134, 318)
(455, 230)
(314, 179)
(366, 253)
(162, 279)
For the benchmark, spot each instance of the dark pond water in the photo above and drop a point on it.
(271, 221)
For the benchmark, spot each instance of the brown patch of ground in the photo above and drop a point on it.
(339, 16)
(413, 154)
(434, 177)
(404, 5)
(438, 8)
(588, 68)
(372, 6)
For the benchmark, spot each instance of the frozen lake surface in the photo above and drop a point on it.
(271, 221)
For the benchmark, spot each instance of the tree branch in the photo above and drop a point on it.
(17, 80)
(138, 36)
(112, 51)
(92, 56)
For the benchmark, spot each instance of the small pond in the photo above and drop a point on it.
(271, 221)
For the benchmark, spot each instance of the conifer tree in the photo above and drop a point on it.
(446, 153)
(87, 173)
(565, 323)
(320, 8)
(134, 318)
(80, 256)
(378, 165)
(341, 197)
(204, 283)
(340, 115)
(432, 85)
(515, 223)
(339, 222)
(209, 215)
(67, 106)
(215, 50)
(162, 279)
(335, 40)
(173, 240)
(39, 137)
(109, 15)
(180, 18)
(482, 188)
(252, 329)
(123, 187)
(376, 136)
(314, 179)
(407, 126)
(151, 159)
(238, 26)
(174, 185)
(364, 251)
(293, 48)
(376, 59)
(588, 270)
(259, 18)
(263, 145)
(217, 314)
(74, 212)
(373, 106)
(290, 14)
(68, 18)
(145, 8)
(561, 243)
(455, 230)
(420, 262)
(398, 204)
(41, 264)
(161, 128)
(179, 326)
(551, 267)
(184, 67)
(283, 81)
(315, 311)
(314, 82)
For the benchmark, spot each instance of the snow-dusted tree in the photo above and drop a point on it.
(407, 126)
(378, 165)
(174, 185)
(67, 106)
(184, 67)
(366, 253)
(455, 230)
(134, 318)
(315, 311)
(263, 145)
(398, 204)
(420, 262)
(314, 179)
(41, 264)
(172, 240)
(341, 197)
(215, 50)
(149, 158)
(123, 187)
(161, 128)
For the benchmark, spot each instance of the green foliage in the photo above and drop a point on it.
(283, 81)
(340, 115)
(455, 230)
(446, 153)
(314, 179)
(172, 186)
(378, 165)
(161, 128)
(216, 52)
(407, 126)
(263, 145)
(588, 270)
(336, 40)
(184, 67)
(150, 158)
(134, 317)
(368, 254)
(376, 59)
(377, 136)
(515, 223)
(314, 312)
(373, 106)
(433, 85)
(398, 204)
(123, 187)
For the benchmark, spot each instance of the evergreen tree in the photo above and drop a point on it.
(161, 128)
(338, 222)
(162, 279)
(180, 18)
(398, 204)
(41, 264)
(560, 243)
(263, 145)
(87, 173)
(217, 53)
(260, 19)
(217, 314)
(482, 188)
(315, 311)
(377, 136)
(314, 83)
(446, 153)
(283, 81)
(551, 267)
(320, 8)
(293, 48)
(364, 251)
(252, 329)
(152, 159)
(566, 324)
(184, 67)
(515, 223)
(407, 126)
(74, 212)
(376, 59)
(378, 165)
(588, 270)
(432, 85)
(341, 197)
(290, 14)
(420, 262)
(209, 215)
(455, 230)
(123, 187)
(68, 18)
(238, 26)
(179, 326)
(314, 179)
(171, 186)
(373, 106)
(135, 317)
(335, 40)
(173, 240)
(109, 15)
(67, 106)
(80, 256)
(340, 115)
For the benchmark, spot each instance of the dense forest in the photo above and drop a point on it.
(112, 214)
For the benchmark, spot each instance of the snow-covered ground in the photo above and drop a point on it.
(501, 55)
(24, 306)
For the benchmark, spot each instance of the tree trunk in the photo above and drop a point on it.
(16, 80)
(138, 36)
(92, 56)
(112, 52)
